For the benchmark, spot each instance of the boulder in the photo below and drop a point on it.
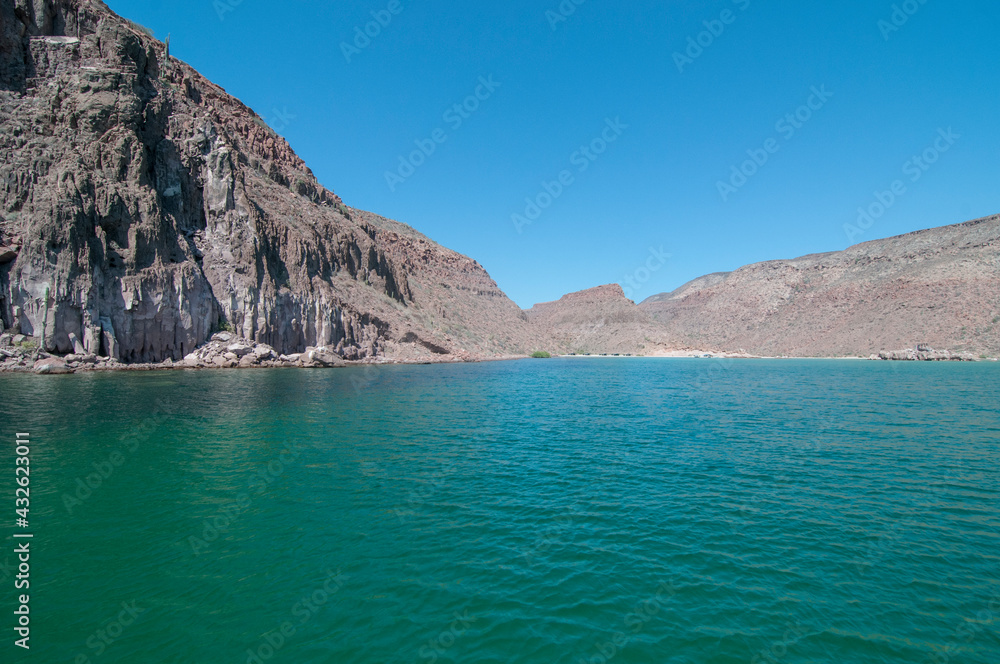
(51, 366)
(6, 339)
(239, 350)
(325, 359)
(224, 337)
(264, 353)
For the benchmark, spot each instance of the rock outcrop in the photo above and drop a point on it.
(941, 286)
(922, 354)
(142, 209)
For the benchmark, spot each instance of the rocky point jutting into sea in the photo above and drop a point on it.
(146, 216)
(144, 209)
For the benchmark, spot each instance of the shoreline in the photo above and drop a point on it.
(56, 365)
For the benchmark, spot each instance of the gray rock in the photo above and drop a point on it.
(51, 366)
(239, 350)
(109, 341)
(325, 359)
(78, 347)
(264, 353)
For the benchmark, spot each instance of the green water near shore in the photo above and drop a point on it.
(686, 511)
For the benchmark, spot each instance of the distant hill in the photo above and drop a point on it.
(598, 320)
(939, 287)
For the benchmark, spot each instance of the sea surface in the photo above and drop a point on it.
(552, 511)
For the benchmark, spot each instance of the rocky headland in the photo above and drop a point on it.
(143, 210)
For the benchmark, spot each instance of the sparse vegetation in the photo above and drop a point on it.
(225, 326)
(541, 355)
(29, 344)
(140, 28)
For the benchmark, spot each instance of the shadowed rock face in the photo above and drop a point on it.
(142, 208)
(939, 287)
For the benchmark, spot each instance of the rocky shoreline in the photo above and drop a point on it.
(223, 351)
(925, 354)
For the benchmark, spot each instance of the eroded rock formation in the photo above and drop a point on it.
(142, 209)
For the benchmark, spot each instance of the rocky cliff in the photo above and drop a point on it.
(142, 209)
(939, 288)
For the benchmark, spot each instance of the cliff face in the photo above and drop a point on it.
(939, 287)
(143, 208)
(598, 320)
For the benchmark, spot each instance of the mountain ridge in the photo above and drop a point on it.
(937, 286)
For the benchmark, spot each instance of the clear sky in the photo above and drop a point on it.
(661, 130)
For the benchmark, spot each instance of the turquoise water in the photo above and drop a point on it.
(682, 511)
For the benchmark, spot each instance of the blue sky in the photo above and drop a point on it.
(558, 80)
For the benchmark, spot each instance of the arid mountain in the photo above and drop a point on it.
(598, 320)
(142, 208)
(939, 287)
